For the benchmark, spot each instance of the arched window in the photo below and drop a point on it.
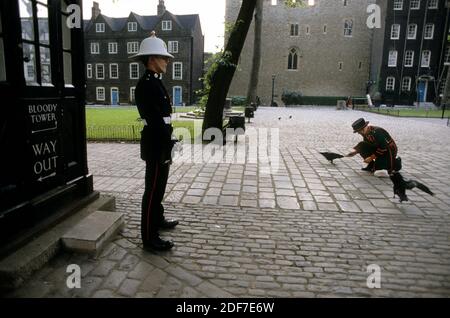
(293, 59)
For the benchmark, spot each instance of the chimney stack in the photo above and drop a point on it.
(161, 7)
(95, 10)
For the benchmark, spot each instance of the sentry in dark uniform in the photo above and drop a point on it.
(155, 109)
(378, 148)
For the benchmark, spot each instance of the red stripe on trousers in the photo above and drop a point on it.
(150, 202)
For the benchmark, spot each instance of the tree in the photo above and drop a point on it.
(256, 61)
(225, 67)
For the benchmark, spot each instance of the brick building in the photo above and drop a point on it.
(410, 51)
(111, 76)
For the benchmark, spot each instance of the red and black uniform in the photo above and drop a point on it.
(379, 145)
(155, 108)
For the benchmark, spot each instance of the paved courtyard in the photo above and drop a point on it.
(306, 228)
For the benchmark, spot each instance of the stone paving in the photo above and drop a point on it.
(308, 229)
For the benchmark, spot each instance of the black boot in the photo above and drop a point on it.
(168, 224)
(158, 244)
(369, 167)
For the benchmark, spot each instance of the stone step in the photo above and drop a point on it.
(92, 233)
(20, 264)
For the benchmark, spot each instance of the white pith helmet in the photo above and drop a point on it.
(152, 46)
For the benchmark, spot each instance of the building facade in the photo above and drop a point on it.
(320, 50)
(111, 77)
(413, 43)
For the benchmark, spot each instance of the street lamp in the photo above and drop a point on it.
(273, 88)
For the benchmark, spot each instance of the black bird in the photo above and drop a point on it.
(331, 156)
(401, 185)
(290, 117)
(279, 118)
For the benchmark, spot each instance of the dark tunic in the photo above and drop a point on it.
(378, 143)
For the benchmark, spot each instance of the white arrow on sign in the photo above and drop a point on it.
(46, 177)
(47, 129)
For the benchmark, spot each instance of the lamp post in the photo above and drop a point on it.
(446, 94)
(273, 88)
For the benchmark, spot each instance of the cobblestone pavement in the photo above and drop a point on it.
(309, 229)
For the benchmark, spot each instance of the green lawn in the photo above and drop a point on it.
(120, 124)
(409, 112)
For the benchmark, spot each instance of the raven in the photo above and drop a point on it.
(331, 156)
(401, 185)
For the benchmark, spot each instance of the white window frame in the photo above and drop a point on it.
(99, 27)
(132, 26)
(111, 71)
(97, 69)
(415, 5)
(173, 46)
(409, 35)
(98, 92)
(132, 47)
(348, 28)
(95, 48)
(293, 57)
(433, 4)
(175, 71)
(392, 58)
(398, 5)
(447, 55)
(390, 83)
(395, 30)
(426, 58)
(131, 70)
(112, 47)
(132, 94)
(427, 35)
(166, 25)
(294, 29)
(409, 57)
(89, 70)
(406, 80)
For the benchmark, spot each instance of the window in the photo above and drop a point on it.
(409, 58)
(433, 4)
(398, 4)
(360, 65)
(412, 31)
(100, 93)
(340, 65)
(395, 32)
(447, 55)
(132, 26)
(66, 35)
(99, 27)
(132, 47)
(99, 71)
(167, 25)
(89, 70)
(345, 3)
(307, 30)
(429, 31)
(112, 47)
(114, 71)
(294, 29)
(35, 43)
(415, 4)
(426, 58)
(134, 70)
(95, 48)
(177, 71)
(274, 2)
(173, 46)
(392, 62)
(292, 59)
(325, 29)
(406, 84)
(132, 94)
(390, 83)
(348, 28)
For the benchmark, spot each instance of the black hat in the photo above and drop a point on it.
(359, 124)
